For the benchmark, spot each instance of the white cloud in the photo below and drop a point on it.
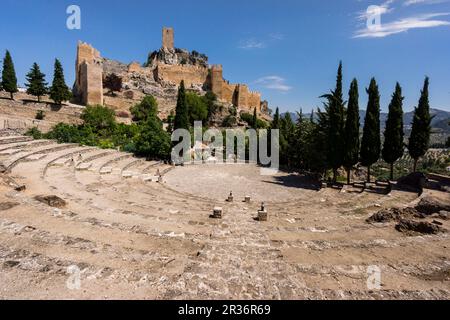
(403, 25)
(252, 44)
(274, 83)
(408, 3)
(276, 36)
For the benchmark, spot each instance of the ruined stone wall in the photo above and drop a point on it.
(167, 68)
(237, 94)
(21, 113)
(88, 87)
(192, 75)
(228, 92)
(254, 101)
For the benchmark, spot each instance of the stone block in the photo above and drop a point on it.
(217, 213)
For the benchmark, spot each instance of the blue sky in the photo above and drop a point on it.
(287, 49)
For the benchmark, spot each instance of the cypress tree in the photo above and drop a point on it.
(311, 117)
(393, 134)
(181, 112)
(9, 79)
(421, 127)
(371, 140)
(255, 119)
(36, 85)
(298, 143)
(59, 91)
(351, 132)
(335, 133)
(288, 134)
(276, 123)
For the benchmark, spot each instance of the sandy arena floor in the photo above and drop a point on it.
(133, 238)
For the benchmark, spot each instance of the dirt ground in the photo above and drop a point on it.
(121, 236)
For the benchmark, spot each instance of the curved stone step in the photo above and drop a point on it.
(45, 151)
(14, 139)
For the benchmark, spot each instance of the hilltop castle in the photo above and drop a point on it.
(160, 77)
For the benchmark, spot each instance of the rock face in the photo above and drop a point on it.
(175, 56)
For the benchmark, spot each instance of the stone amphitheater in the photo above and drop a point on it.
(134, 237)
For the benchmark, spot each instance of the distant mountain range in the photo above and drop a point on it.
(439, 123)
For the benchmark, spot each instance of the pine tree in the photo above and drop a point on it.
(181, 111)
(421, 127)
(59, 91)
(393, 135)
(335, 133)
(371, 140)
(351, 132)
(255, 120)
(36, 85)
(9, 79)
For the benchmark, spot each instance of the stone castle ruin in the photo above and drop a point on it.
(160, 76)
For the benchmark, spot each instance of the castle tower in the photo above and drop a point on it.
(217, 80)
(88, 87)
(168, 38)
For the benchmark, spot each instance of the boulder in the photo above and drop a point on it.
(412, 227)
(429, 205)
(444, 215)
(52, 201)
(7, 205)
(393, 214)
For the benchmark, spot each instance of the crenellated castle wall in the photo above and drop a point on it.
(159, 79)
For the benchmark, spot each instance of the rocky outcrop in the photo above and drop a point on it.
(177, 56)
(52, 201)
(412, 227)
(429, 206)
(417, 220)
(393, 214)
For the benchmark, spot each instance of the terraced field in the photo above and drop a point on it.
(132, 237)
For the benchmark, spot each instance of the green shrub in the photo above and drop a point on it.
(106, 144)
(153, 141)
(197, 107)
(35, 133)
(247, 117)
(146, 138)
(64, 133)
(229, 121)
(99, 118)
(144, 110)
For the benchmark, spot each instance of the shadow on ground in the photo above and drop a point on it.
(296, 181)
